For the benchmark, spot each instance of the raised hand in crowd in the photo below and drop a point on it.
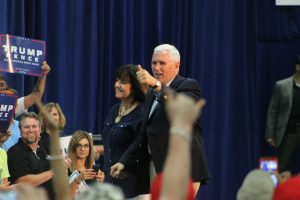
(182, 112)
(58, 163)
(25, 192)
(36, 94)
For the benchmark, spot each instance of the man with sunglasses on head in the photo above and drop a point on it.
(27, 160)
(36, 95)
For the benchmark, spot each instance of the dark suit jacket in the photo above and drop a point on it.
(154, 133)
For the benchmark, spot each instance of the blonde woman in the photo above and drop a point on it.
(81, 153)
(58, 117)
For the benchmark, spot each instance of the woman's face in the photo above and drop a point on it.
(55, 115)
(122, 89)
(83, 148)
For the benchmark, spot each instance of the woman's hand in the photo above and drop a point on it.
(87, 174)
(100, 176)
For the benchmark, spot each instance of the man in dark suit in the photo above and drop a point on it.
(283, 120)
(154, 131)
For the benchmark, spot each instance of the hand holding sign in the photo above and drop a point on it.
(45, 68)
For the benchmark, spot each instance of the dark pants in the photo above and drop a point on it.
(289, 145)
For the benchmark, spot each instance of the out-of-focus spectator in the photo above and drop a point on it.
(103, 191)
(157, 184)
(260, 185)
(289, 190)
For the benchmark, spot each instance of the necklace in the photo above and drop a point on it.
(124, 111)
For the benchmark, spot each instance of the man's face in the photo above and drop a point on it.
(30, 130)
(164, 68)
(3, 84)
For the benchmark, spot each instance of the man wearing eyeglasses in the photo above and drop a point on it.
(36, 95)
(27, 161)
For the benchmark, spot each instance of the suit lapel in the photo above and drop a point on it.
(149, 101)
(174, 84)
(289, 89)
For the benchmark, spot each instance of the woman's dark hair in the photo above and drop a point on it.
(127, 73)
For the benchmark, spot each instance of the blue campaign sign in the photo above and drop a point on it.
(7, 109)
(21, 55)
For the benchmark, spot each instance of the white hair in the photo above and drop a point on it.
(257, 185)
(174, 53)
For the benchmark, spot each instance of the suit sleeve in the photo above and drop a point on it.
(190, 87)
(272, 113)
(136, 150)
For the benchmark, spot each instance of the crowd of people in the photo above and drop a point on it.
(31, 153)
(153, 132)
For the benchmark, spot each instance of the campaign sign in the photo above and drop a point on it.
(64, 143)
(21, 55)
(7, 109)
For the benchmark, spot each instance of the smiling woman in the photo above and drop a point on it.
(120, 130)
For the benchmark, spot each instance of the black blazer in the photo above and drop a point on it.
(154, 133)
